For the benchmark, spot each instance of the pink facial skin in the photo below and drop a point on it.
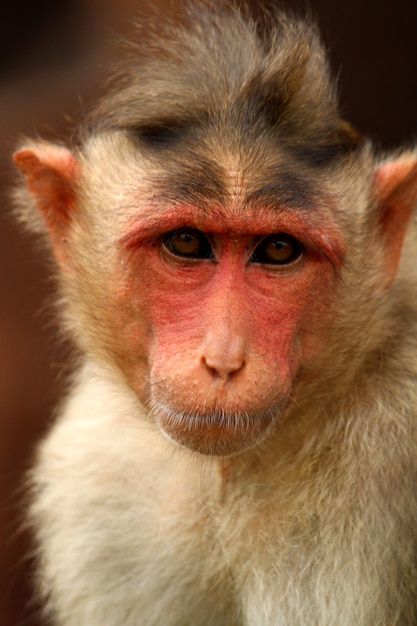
(227, 332)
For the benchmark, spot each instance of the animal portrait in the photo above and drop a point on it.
(236, 266)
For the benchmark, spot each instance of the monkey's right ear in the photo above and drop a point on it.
(52, 173)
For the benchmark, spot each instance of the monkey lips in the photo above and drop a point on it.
(216, 432)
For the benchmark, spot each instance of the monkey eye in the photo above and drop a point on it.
(277, 249)
(188, 243)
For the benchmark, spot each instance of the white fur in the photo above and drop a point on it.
(135, 531)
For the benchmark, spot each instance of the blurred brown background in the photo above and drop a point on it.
(52, 56)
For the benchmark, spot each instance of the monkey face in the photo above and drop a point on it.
(213, 309)
(229, 300)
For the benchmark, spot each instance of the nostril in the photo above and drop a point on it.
(223, 369)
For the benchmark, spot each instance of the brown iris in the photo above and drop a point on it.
(188, 243)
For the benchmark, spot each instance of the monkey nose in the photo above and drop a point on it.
(224, 358)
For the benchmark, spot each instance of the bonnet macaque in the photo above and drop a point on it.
(238, 268)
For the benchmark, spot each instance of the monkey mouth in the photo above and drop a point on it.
(215, 432)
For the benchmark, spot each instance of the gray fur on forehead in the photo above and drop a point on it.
(222, 66)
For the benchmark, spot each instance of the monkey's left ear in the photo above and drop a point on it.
(396, 192)
(52, 173)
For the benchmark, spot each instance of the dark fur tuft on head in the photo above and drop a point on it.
(238, 74)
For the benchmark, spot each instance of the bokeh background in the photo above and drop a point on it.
(53, 56)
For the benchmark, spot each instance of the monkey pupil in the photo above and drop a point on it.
(279, 251)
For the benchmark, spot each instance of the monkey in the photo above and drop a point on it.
(237, 267)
